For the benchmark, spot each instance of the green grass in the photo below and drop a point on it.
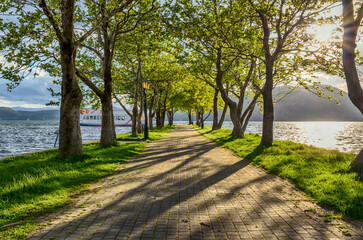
(323, 174)
(38, 183)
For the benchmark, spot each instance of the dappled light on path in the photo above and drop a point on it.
(185, 187)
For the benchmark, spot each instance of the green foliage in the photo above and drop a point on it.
(321, 173)
(38, 183)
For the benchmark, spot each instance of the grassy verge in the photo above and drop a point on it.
(321, 173)
(39, 183)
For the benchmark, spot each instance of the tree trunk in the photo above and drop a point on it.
(135, 108)
(357, 163)
(221, 120)
(163, 111)
(351, 27)
(268, 107)
(197, 117)
(140, 114)
(158, 117)
(162, 117)
(246, 121)
(190, 116)
(355, 91)
(151, 112)
(70, 139)
(237, 127)
(170, 117)
(215, 110)
(108, 133)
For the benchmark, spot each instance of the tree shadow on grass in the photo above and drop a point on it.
(183, 192)
(32, 182)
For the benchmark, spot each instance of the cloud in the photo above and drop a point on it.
(32, 92)
(19, 104)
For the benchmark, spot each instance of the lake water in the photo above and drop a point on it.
(18, 137)
(343, 136)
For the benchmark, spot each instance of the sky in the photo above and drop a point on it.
(33, 93)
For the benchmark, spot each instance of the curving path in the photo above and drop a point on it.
(186, 187)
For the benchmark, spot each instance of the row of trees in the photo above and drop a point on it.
(196, 54)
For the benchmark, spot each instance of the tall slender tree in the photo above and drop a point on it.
(351, 23)
(283, 25)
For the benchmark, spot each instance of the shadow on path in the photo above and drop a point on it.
(185, 187)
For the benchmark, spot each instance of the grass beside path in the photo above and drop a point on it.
(34, 184)
(321, 173)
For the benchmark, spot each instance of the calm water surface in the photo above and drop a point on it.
(18, 137)
(343, 136)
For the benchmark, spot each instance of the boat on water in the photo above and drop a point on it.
(90, 117)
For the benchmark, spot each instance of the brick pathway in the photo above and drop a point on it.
(185, 187)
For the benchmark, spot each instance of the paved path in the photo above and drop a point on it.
(185, 187)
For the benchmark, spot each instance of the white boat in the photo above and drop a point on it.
(90, 117)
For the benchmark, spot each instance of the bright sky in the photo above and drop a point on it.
(33, 93)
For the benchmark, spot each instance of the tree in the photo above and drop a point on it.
(220, 36)
(39, 23)
(351, 25)
(103, 46)
(283, 24)
(136, 54)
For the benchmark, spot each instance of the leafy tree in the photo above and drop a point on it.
(220, 34)
(136, 53)
(38, 31)
(351, 25)
(283, 26)
(103, 46)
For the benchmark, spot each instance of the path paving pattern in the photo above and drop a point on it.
(186, 187)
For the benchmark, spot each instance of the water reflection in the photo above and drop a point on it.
(343, 136)
(25, 136)
(18, 137)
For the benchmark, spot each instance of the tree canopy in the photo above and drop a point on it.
(198, 56)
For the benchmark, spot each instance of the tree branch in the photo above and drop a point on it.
(89, 83)
(52, 20)
(93, 50)
(123, 106)
(102, 21)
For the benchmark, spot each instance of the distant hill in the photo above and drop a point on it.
(299, 105)
(302, 105)
(10, 114)
(34, 109)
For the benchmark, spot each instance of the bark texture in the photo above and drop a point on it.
(268, 107)
(221, 120)
(197, 117)
(135, 108)
(215, 110)
(190, 116)
(70, 139)
(158, 117)
(171, 117)
(355, 92)
(108, 132)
